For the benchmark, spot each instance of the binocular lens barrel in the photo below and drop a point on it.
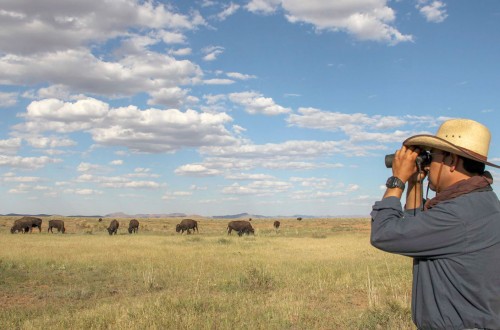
(388, 160)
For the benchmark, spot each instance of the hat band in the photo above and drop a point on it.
(473, 154)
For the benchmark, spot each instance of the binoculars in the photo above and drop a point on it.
(423, 159)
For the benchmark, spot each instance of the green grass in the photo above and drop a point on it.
(312, 274)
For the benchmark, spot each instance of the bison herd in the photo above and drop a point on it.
(26, 224)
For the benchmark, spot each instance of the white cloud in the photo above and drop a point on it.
(117, 182)
(7, 99)
(218, 81)
(260, 188)
(256, 103)
(171, 97)
(10, 178)
(116, 162)
(43, 142)
(262, 6)
(81, 72)
(85, 192)
(212, 52)
(88, 167)
(249, 176)
(169, 37)
(434, 11)
(360, 127)
(28, 29)
(365, 20)
(10, 146)
(230, 10)
(240, 76)
(30, 163)
(150, 130)
(196, 170)
(180, 52)
(289, 150)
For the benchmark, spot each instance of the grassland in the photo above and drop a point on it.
(312, 274)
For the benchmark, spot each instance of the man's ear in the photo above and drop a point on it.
(454, 159)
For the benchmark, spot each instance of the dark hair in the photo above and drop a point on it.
(473, 166)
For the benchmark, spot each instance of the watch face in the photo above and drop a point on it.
(394, 182)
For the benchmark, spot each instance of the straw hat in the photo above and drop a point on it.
(463, 137)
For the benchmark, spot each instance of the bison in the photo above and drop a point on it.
(26, 224)
(187, 224)
(299, 218)
(21, 225)
(241, 226)
(133, 226)
(276, 225)
(113, 227)
(58, 224)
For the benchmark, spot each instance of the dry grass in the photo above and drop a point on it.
(312, 274)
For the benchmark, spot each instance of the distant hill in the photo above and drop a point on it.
(238, 216)
(184, 215)
(124, 215)
(27, 215)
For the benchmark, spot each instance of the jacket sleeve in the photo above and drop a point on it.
(433, 233)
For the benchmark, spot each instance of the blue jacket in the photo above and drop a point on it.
(456, 251)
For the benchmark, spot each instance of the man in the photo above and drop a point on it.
(455, 239)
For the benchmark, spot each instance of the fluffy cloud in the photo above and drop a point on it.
(29, 29)
(434, 11)
(365, 19)
(31, 163)
(230, 9)
(256, 103)
(117, 182)
(360, 127)
(151, 130)
(81, 71)
(10, 146)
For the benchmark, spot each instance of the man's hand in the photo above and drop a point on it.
(404, 164)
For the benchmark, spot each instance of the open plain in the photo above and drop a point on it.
(310, 274)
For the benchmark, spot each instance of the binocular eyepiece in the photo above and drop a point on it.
(423, 159)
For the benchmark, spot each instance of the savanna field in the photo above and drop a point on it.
(310, 274)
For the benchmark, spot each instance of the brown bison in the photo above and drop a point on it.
(58, 224)
(241, 226)
(133, 226)
(113, 227)
(26, 224)
(21, 225)
(276, 225)
(299, 218)
(187, 225)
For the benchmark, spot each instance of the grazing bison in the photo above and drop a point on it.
(26, 224)
(133, 226)
(241, 226)
(187, 224)
(58, 224)
(100, 220)
(113, 227)
(276, 225)
(21, 225)
(299, 218)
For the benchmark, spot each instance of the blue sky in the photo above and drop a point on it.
(272, 107)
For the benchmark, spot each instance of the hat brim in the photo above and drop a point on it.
(431, 141)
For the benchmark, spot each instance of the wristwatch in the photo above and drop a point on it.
(395, 182)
